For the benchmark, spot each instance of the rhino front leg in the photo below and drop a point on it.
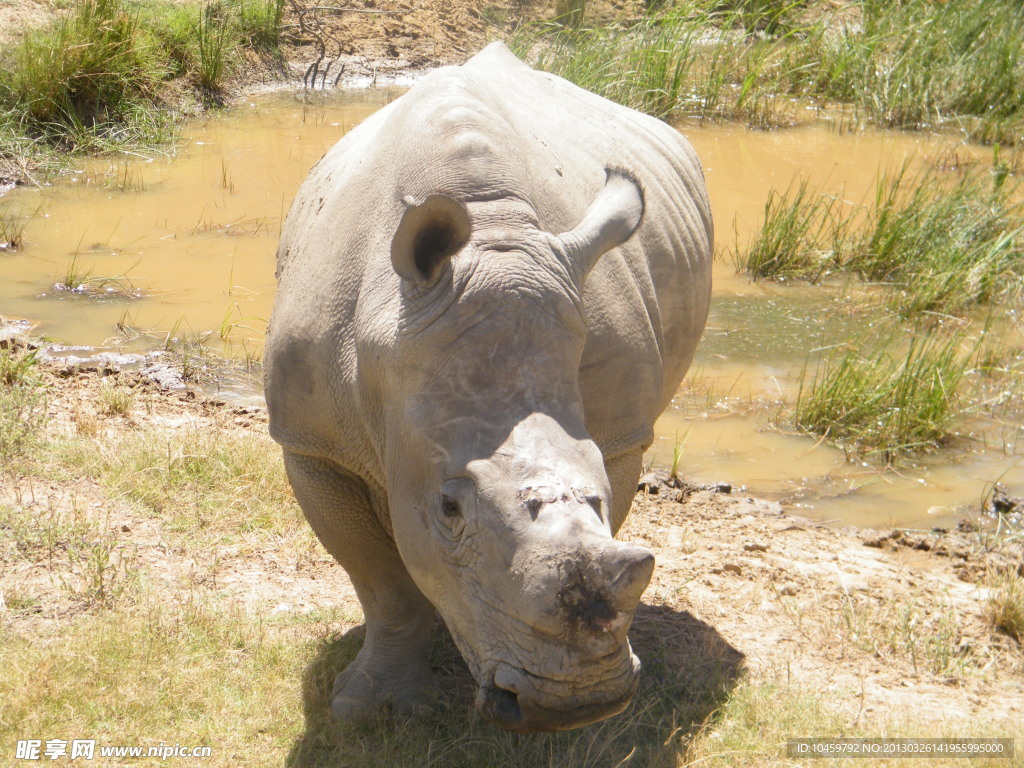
(623, 473)
(392, 669)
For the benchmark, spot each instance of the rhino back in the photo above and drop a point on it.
(491, 130)
(646, 302)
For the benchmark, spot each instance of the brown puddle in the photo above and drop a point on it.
(195, 234)
(188, 246)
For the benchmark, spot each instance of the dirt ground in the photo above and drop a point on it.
(420, 33)
(880, 622)
(369, 34)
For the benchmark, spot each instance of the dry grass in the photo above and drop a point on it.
(22, 405)
(1006, 604)
(193, 478)
(116, 399)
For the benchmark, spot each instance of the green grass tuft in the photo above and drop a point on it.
(213, 42)
(942, 245)
(12, 228)
(22, 404)
(92, 75)
(792, 242)
(889, 396)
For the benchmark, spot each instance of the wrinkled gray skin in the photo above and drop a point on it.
(488, 292)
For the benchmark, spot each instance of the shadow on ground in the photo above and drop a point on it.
(689, 671)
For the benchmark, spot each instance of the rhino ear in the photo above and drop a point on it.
(428, 235)
(610, 220)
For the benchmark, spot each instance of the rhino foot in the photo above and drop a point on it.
(365, 691)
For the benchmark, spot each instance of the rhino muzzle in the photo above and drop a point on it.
(511, 702)
(596, 673)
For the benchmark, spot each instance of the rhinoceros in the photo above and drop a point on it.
(488, 292)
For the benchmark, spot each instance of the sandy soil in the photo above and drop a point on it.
(421, 33)
(862, 616)
(16, 15)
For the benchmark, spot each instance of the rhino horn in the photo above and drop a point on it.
(627, 569)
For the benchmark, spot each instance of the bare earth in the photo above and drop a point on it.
(860, 616)
(368, 36)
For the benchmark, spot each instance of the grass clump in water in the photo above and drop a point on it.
(12, 229)
(941, 246)
(791, 243)
(889, 397)
(944, 248)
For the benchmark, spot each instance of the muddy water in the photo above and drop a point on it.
(185, 245)
(758, 337)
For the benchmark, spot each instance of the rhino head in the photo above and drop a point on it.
(500, 501)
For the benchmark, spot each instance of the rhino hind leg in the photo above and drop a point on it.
(392, 670)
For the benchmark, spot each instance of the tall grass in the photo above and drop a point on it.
(908, 64)
(793, 241)
(942, 244)
(687, 58)
(920, 63)
(886, 395)
(770, 17)
(101, 76)
(259, 22)
(94, 71)
(943, 247)
(211, 34)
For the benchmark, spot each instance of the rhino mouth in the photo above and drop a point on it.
(510, 701)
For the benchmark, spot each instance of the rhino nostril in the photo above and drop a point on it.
(500, 706)
(609, 620)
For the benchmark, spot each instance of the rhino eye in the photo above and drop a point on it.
(449, 506)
